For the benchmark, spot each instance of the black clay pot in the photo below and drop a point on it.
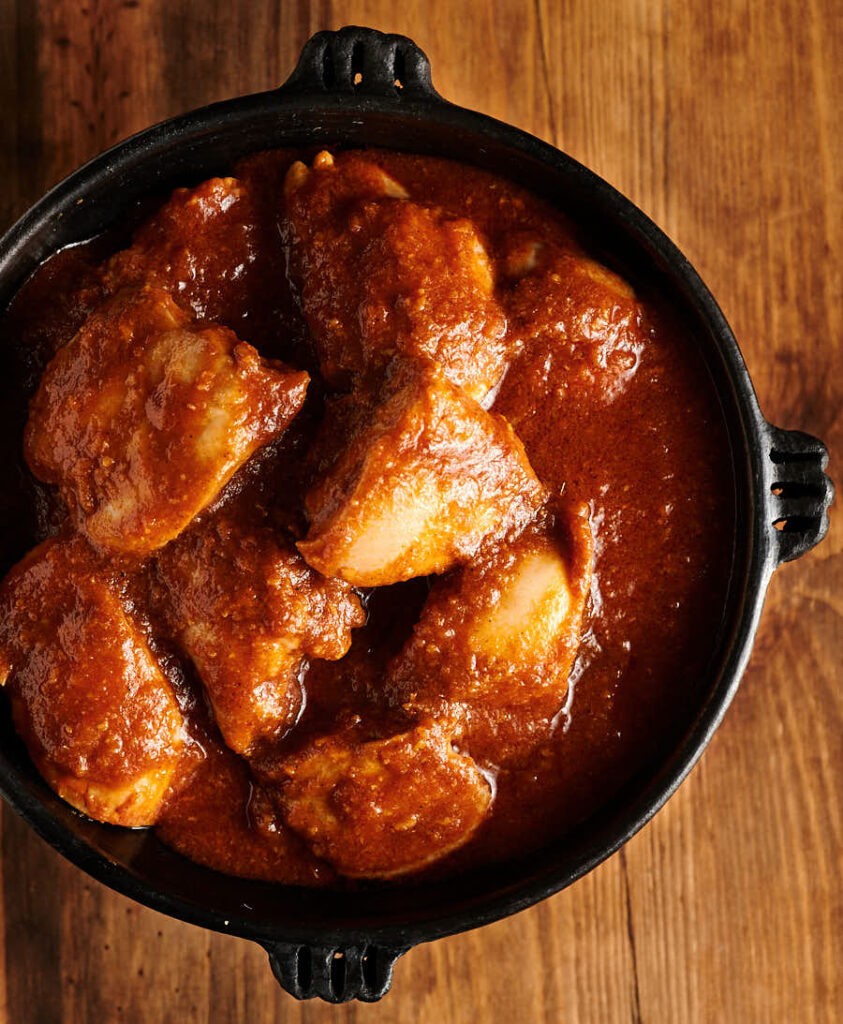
(357, 87)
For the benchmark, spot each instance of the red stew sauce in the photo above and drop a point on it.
(425, 300)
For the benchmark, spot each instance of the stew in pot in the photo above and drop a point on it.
(377, 527)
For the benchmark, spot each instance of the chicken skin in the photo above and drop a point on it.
(247, 610)
(384, 807)
(502, 631)
(97, 715)
(419, 486)
(578, 325)
(423, 284)
(144, 416)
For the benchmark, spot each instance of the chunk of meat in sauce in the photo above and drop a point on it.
(224, 819)
(247, 609)
(502, 631)
(575, 318)
(420, 486)
(145, 415)
(97, 715)
(212, 248)
(380, 275)
(384, 807)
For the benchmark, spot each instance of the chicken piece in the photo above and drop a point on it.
(97, 715)
(213, 248)
(385, 807)
(418, 487)
(360, 178)
(145, 415)
(381, 275)
(578, 323)
(248, 610)
(224, 801)
(504, 630)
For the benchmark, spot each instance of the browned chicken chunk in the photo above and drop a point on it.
(578, 324)
(419, 487)
(145, 415)
(423, 284)
(224, 818)
(211, 247)
(504, 630)
(385, 807)
(248, 610)
(98, 717)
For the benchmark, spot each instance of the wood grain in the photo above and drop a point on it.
(721, 119)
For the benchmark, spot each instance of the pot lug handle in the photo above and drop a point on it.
(362, 62)
(800, 493)
(335, 974)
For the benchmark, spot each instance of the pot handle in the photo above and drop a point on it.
(362, 62)
(800, 492)
(334, 974)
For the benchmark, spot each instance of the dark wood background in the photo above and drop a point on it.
(720, 119)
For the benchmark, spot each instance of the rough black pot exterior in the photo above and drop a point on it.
(357, 87)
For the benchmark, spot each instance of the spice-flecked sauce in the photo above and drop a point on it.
(651, 462)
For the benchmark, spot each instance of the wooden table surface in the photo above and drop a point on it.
(721, 120)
